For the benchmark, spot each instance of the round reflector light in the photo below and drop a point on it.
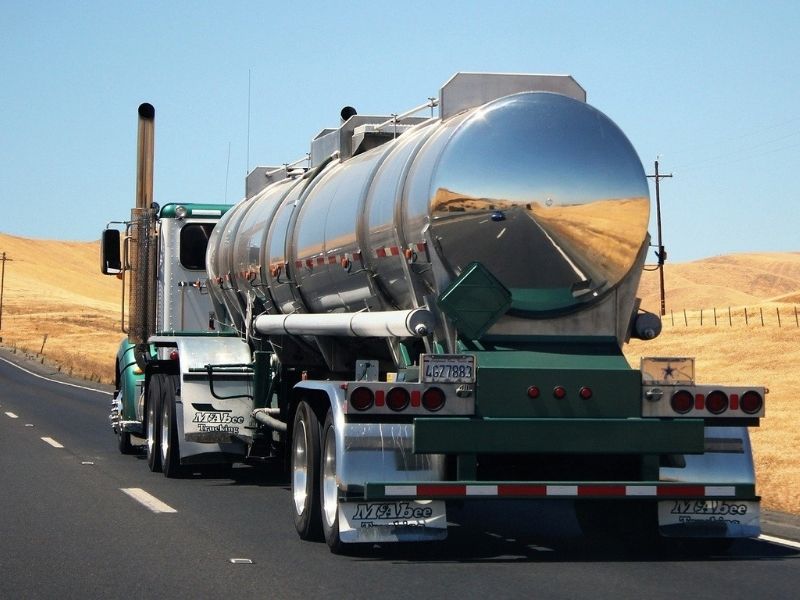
(585, 392)
(433, 399)
(717, 402)
(361, 398)
(173, 355)
(751, 402)
(559, 393)
(533, 392)
(398, 398)
(682, 401)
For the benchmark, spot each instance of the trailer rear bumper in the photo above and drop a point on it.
(635, 490)
(678, 510)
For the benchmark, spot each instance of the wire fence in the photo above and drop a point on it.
(760, 316)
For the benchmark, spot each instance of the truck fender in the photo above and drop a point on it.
(322, 395)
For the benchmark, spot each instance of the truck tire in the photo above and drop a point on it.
(305, 460)
(169, 442)
(124, 442)
(329, 490)
(152, 425)
(123, 437)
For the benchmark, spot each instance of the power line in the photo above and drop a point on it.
(765, 130)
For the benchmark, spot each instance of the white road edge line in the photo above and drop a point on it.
(148, 500)
(82, 387)
(52, 442)
(11, 415)
(563, 254)
(781, 541)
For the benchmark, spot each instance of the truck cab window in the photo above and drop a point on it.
(194, 240)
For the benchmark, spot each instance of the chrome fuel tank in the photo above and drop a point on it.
(541, 188)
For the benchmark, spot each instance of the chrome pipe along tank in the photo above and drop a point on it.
(541, 188)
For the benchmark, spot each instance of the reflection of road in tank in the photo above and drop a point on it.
(516, 250)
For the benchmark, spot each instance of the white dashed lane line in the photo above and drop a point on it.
(11, 415)
(52, 442)
(148, 500)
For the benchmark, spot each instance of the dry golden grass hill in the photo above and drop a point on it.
(734, 280)
(55, 289)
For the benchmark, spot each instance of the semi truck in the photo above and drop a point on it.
(429, 307)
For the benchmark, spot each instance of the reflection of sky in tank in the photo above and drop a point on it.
(535, 147)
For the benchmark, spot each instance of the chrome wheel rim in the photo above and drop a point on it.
(151, 434)
(164, 433)
(300, 468)
(330, 500)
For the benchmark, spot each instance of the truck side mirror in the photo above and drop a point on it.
(110, 263)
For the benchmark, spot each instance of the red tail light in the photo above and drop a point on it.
(433, 399)
(751, 402)
(533, 392)
(559, 393)
(585, 393)
(682, 401)
(361, 398)
(398, 398)
(717, 402)
(173, 355)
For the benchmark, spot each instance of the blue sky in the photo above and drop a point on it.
(710, 87)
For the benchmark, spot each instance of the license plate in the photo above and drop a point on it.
(448, 368)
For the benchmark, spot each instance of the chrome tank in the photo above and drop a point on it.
(541, 188)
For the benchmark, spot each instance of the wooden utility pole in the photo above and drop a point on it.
(2, 285)
(662, 254)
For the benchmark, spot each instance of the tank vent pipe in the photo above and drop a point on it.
(431, 103)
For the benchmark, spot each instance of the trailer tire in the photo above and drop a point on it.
(169, 442)
(703, 547)
(152, 425)
(632, 522)
(329, 490)
(305, 463)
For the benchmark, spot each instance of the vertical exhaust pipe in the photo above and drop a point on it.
(143, 241)
(145, 155)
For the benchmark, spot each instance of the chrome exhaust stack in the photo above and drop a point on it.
(142, 250)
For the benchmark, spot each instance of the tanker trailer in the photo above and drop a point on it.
(433, 309)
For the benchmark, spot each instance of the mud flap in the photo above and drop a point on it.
(399, 521)
(709, 518)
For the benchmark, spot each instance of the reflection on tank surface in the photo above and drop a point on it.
(569, 186)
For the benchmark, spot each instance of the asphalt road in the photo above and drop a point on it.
(516, 250)
(68, 530)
